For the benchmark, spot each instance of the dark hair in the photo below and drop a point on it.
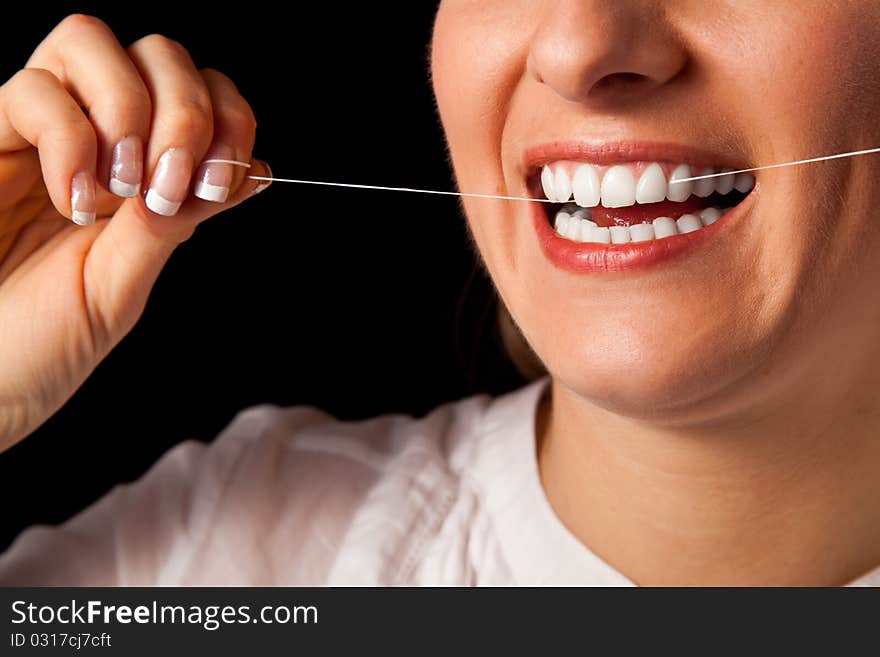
(491, 350)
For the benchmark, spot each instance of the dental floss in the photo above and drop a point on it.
(400, 189)
(235, 162)
(376, 187)
(523, 198)
(777, 166)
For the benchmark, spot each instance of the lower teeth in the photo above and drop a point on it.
(574, 225)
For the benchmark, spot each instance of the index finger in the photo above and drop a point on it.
(84, 54)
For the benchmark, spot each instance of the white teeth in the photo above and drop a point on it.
(578, 188)
(574, 228)
(706, 186)
(641, 232)
(651, 187)
(547, 183)
(665, 227)
(587, 227)
(724, 184)
(680, 191)
(688, 223)
(618, 188)
(562, 185)
(585, 185)
(709, 216)
(744, 182)
(601, 235)
(560, 223)
(619, 234)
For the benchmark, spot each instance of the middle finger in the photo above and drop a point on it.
(182, 125)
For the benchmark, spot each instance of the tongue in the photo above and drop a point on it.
(637, 214)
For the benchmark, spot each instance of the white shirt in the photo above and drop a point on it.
(289, 497)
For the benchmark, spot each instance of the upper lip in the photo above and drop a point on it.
(606, 153)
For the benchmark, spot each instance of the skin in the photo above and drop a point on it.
(69, 294)
(713, 419)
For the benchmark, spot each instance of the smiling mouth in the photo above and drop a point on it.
(636, 201)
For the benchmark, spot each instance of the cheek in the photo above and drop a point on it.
(478, 58)
(468, 84)
(814, 89)
(813, 84)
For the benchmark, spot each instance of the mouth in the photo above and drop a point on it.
(612, 209)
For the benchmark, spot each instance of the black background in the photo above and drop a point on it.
(358, 302)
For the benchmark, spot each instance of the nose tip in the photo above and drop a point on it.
(605, 51)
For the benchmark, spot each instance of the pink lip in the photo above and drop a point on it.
(587, 257)
(626, 151)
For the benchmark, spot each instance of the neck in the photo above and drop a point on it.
(786, 499)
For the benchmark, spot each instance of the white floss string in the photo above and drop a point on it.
(377, 187)
(322, 183)
(784, 164)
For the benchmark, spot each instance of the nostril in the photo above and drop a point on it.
(619, 82)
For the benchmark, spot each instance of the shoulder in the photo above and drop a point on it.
(295, 497)
(356, 502)
(307, 437)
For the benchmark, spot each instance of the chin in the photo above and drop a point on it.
(656, 371)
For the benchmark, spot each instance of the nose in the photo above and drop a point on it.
(591, 51)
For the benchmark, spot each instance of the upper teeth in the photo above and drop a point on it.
(623, 185)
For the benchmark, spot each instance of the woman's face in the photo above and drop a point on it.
(662, 327)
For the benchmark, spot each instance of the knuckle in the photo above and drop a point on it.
(78, 24)
(79, 130)
(162, 43)
(33, 76)
(78, 134)
(219, 80)
(153, 40)
(199, 98)
(232, 109)
(191, 119)
(124, 106)
(215, 75)
(241, 120)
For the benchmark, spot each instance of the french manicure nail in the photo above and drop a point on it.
(126, 168)
(214, 180)
(170, 182)
(82, 198)
(263, 183)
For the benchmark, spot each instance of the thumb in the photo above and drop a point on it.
(128, 254)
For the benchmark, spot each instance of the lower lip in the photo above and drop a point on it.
(590, 257)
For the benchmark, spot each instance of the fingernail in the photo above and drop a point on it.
(263, 183)
(170, 182)
(214, 180)
(126, 168)
(82, 198)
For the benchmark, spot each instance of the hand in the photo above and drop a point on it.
(84, 117)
